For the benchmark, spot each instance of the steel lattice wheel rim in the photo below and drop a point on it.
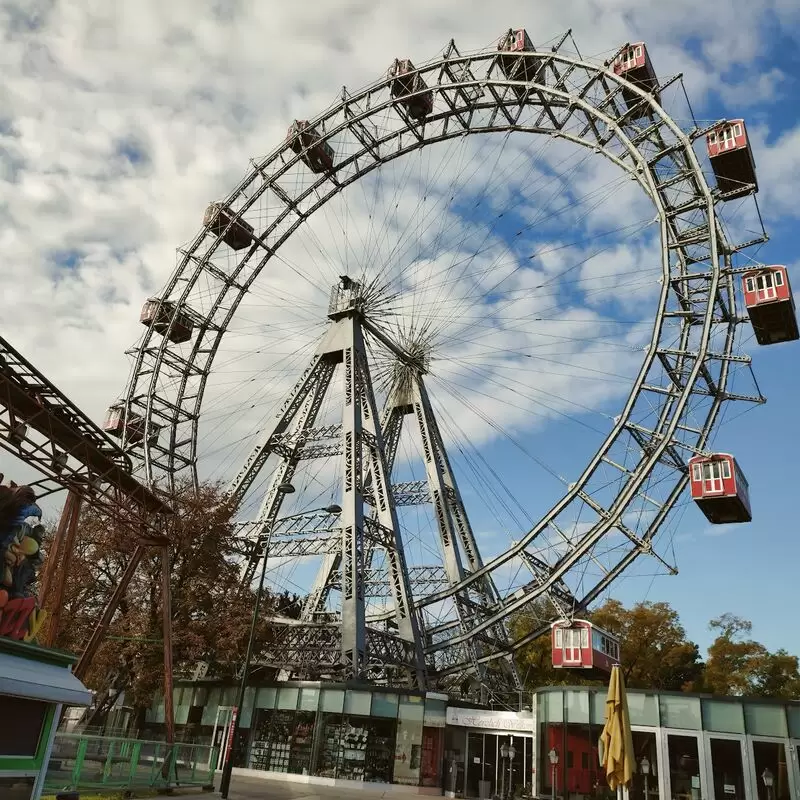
(574, 100)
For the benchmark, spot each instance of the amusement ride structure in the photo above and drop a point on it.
(371, 365)
(352, 346)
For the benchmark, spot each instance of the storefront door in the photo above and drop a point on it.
(773, 768)
(728, 769)
(684, 771)
(221, 732)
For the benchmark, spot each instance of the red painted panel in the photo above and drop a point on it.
(726, 138)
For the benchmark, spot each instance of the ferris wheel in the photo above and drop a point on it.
(370, 337)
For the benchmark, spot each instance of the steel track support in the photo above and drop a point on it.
(455, 531)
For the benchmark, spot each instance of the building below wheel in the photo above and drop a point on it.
(688, 746)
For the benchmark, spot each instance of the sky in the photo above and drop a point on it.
(119, 123)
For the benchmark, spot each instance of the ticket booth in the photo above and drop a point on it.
(35, 684)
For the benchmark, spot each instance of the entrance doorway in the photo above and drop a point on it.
(685, 773)
(727, 767)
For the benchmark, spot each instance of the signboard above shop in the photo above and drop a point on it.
(511, 721)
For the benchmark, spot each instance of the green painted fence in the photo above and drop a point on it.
(87, 763)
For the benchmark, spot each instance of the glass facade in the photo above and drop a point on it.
(686, 747)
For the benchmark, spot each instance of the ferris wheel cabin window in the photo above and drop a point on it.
(749, 285)
(697, 472)
(778, 278)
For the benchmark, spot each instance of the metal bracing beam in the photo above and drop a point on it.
(455, 532)
(391, 425)
(300, 416)
(258, 456)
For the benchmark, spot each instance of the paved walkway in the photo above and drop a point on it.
(243, 788)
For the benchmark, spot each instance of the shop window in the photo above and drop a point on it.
(357, 748)
(722, 716)
(287, 698)
(643, 709)
(680, 712)
(22, 738)
(357, 703)
(577, 704)
(762, 719)
(408, 747)
(793, 713)
(332, 701)
(282, 741)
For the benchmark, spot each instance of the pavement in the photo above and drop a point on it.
(245, 788)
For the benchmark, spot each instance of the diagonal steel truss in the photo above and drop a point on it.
(385, 644)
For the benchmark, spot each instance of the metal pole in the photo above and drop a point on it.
(166, 602)
(227, 767)
(102, 626)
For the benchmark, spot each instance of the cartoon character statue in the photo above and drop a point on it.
(20, 542)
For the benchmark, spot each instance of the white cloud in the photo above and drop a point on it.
(120, 122)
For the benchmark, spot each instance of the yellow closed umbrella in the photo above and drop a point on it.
(616, 740)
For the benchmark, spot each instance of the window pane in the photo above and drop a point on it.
(266, 697)
(765, 720)
(723, 717)
(435, 712)
(357, 703)
(246, 714)
(309, 699)
(598, 707)
(779, 279)
(553, 707)
(287, 698)
(577, 706)
(333, 700)
(643, 709)
(384, 705)
(22, 737)
(793, 713)
(680, 712)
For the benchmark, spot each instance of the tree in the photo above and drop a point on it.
(655, 652)
(738, 665)
(210, 613)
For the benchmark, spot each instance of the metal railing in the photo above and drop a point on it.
(81, 762)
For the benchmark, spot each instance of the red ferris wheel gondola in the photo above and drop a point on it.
(579, 644)
(770, 304)
(719, 488)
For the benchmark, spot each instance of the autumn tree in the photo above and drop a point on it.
(210, 613)
(655, 651)
(738, 665)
